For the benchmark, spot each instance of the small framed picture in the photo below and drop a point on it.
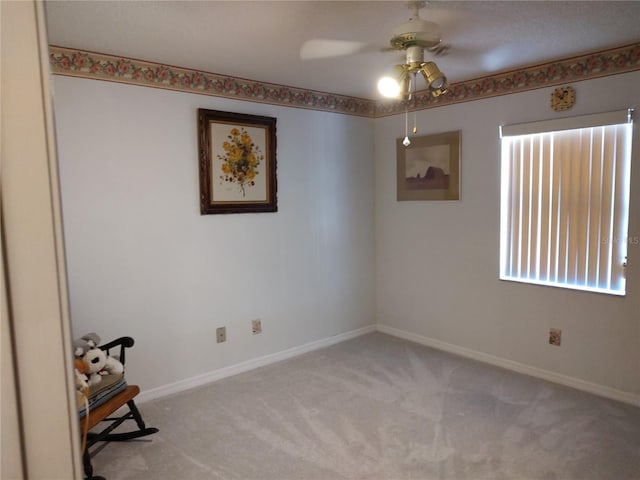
(429, 168)
(237, 162)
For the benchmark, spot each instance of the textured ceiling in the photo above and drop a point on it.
(261, 40)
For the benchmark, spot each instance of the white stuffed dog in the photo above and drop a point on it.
(97, 362)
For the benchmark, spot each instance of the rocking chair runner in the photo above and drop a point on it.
(106, 407)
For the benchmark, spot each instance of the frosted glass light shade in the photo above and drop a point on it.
(396, 84)
(389, 87)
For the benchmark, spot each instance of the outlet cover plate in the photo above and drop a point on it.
(256, 326)
(221, 334)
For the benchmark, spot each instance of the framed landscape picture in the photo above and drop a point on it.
(429, 168)
(237, 162)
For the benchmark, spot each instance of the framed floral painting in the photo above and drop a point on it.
(429, 167)
(237, 160)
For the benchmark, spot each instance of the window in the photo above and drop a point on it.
(564, 202)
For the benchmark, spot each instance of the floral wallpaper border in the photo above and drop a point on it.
(78, 63)
(99, 66)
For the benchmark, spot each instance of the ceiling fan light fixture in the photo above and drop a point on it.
(435, 79)
(389, 87)
(440, 91)
(396, 84)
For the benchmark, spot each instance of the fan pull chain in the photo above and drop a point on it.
(415, 101)
(406, 142)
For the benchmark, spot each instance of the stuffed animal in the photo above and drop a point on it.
(95, 360)
(81, 369)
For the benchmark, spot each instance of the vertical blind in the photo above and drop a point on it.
(564, 202)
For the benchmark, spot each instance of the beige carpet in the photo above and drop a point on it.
(377, 407)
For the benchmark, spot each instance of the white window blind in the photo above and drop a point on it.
(564, 202)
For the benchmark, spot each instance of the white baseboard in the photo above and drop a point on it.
(576, 383)
(209, 377)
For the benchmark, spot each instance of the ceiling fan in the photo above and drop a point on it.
(414, 36)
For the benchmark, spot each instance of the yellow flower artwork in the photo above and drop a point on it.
(237, 162)
(240, 160)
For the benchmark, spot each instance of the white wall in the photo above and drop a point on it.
(143, 262)
(437, 262)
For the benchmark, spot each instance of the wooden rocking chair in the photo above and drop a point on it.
(107, 405)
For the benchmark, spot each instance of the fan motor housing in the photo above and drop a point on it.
(415, 32)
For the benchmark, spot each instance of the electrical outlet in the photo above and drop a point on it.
(256, 326)
(555, 336)
(221, 334)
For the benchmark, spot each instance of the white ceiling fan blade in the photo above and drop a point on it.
(440, 50)
(325, 48)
